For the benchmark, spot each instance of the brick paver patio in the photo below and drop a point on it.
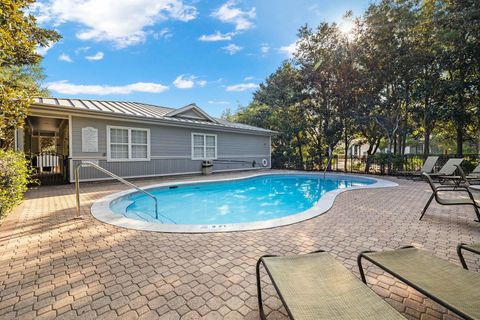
(54, 266)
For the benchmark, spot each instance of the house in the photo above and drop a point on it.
(134, 140)
(359, 148)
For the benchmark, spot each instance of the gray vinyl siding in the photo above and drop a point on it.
(170, 150)
(190, 114)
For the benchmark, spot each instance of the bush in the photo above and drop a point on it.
(14, 178)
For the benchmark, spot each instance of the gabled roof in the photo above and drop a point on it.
(190, 114)
(191, 111)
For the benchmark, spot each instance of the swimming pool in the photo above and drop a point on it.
(254, 202)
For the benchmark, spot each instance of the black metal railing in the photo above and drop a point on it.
(390, 164)
(381, 164)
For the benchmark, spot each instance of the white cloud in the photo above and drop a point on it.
(81, 50)
(242, 87)
(232, 48)
(124, 22)
(289, 50)
(217, 36)
(184, 83)
(230, 14)
(187, 82)
(264, 48)
(64, 87)
(65, 57)
(249, 78)
(218, 102)
(97, 56)
(43, 50)
(164, 33)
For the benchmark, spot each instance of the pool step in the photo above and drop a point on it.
(140, 216)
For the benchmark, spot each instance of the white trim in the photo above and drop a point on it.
(138, 177)
(205, 135)
(129, 159)
(47, 115)
(101, 208)
(240, 169)
(194, 107)
(89, 158)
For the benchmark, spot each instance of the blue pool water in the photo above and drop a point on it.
(253, 199)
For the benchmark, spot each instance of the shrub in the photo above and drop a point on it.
(14, 178)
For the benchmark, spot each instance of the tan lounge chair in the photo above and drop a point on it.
(459, 201)
(448, 169)
(449, 285)
(474, 248)
(427, 167)
(470, 179)
(316, 286)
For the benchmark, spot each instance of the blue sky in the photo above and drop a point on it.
(174, 52)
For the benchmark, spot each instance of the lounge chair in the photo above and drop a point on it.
(475, 248)
(459, 201)
(316, 286)
(448, 168)
(449, 285)
(470, 179)
(476, 171)
(427, 167)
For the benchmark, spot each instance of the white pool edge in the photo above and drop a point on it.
(102, 212)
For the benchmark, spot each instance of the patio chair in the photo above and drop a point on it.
(459, 201)
(476, 171)
(445, 283)
(472, 178)
(316, 286)
(448, 169)
(474, 248)
(427, 167)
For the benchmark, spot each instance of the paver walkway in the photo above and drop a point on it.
(54, 266)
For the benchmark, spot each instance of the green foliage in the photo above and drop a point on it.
(14, 178)
(19, 34)
(409, 71)
(19, 71)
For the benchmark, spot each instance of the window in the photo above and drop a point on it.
(128, 144)
(204, 146)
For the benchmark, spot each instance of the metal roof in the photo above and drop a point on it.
(143, 110)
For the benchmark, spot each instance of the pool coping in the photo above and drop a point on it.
(102, 212)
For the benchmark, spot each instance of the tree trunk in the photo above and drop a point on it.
(299, 144)
(459, 141)
(426, 147)
(372, 149)
(345, 141)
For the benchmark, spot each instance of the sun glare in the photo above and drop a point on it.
(346, 26)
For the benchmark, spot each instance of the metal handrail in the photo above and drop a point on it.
(96, 166)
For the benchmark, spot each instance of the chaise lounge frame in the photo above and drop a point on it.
(363, 255)
(472, 248)
(450, 202)
(371, 303)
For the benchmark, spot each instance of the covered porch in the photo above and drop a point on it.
(45, 140)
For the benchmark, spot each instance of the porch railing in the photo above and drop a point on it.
(49, 167)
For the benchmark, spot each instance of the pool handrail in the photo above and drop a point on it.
(96, 166)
